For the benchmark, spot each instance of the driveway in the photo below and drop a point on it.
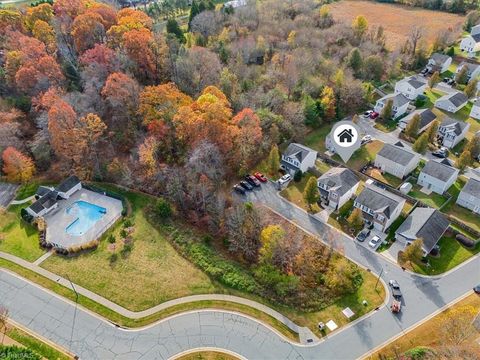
(95, 338)
(7, 193)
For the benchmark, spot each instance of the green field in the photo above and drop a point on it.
(433, 199)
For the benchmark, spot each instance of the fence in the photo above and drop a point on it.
(111, 194)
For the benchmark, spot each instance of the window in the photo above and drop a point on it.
(380, 218)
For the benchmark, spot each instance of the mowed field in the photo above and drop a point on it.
(397, 20)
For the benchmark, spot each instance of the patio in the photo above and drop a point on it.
(58, 220)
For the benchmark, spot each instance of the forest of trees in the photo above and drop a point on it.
(89, 89)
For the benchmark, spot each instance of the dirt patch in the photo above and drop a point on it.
(397, 20)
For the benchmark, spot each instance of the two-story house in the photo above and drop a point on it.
(427, 116)
(470, 43)
(379, 206)
(411, 87)
(469, 197)
(475, 112)
(399, 105)
(473, 70)
(337, 186)
(452, 131)
(438, 176)
(452, 102)
(298, 157)
(397, 160)
(439, 62)
(423, 223)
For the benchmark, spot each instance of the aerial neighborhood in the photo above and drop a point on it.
(213, 179)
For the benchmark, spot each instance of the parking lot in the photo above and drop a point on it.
(7, 193)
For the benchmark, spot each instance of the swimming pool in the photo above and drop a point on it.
(87, 215)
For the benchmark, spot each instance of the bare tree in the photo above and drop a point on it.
(414, 37)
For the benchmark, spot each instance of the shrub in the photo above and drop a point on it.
(298, 176)
(113, 258)
(163, 209)
(465, 241)
(123, 233)
(127, 223)
(15, 352)
(207, 239)
(112, 239)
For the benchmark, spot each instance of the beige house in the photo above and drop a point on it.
(396, 160)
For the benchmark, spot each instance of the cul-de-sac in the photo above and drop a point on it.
(240, 179)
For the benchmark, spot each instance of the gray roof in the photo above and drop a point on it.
(472, 188)
(397, 153)
(339, 179)
(426, 224)
(457, 126)
(439, 59)
(426, 117)
(297, 151)
(441, 170)
(45, 202)
(415, 83)
(68, 184)
(398, 99)
(379, 200)
(470, 66)
(476, 37)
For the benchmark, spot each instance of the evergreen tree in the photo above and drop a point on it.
(355, 61)
(311, 112)
(413, 126)
(273, 161)
(387, 110)
(451, 51)
(194, 11)
(174, 28)
(421, 144)
(311, 194)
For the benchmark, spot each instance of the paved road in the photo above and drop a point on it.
(94, 338)
(7, 193)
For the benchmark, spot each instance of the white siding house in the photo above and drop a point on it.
(470, 43)
(396, 160)
(298, 157)
(439, 62)
(411, 87)
(452, 132)
(437, 176)
(337, 186)
(475, 112)
(452, 102)
(469, 197)
(379, 206)
(400, 104)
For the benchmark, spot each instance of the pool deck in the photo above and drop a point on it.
(58, 220)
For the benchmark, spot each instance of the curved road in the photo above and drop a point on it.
(94, 338)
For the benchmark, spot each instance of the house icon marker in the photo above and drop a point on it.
(346, 136)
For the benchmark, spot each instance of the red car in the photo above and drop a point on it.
(374, 115)
(260, 177)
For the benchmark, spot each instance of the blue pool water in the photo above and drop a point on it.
(86, 216)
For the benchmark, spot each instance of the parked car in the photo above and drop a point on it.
(477, 289)
(369, 224)
(362, 235)
(441, 153)
(374, 115)
(424, 72)
(260, 177)
(374, 242)
(395, 289)
(367, 113)
(246, 185)
(451, 82)
(284, 179)
(252, 180)
(366, 139)
(445, 80)
(239, 189)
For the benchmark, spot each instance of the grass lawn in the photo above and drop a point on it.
(387, 127)
(34, 344)
(363, 156)
(316, 138)
(433, 200)
(385, 178)
(18, 237)
(294, 193)
(428, 334)
(322, 166)
(152, 273)
(452, 253)
(207, 355)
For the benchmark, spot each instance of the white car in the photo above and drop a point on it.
(367, 113)
(374, 242)
(284, 179)
(366, 139)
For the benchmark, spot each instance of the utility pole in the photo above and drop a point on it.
(378, 279)
(75, 313)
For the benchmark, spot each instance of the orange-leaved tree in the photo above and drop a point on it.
(17, 166)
